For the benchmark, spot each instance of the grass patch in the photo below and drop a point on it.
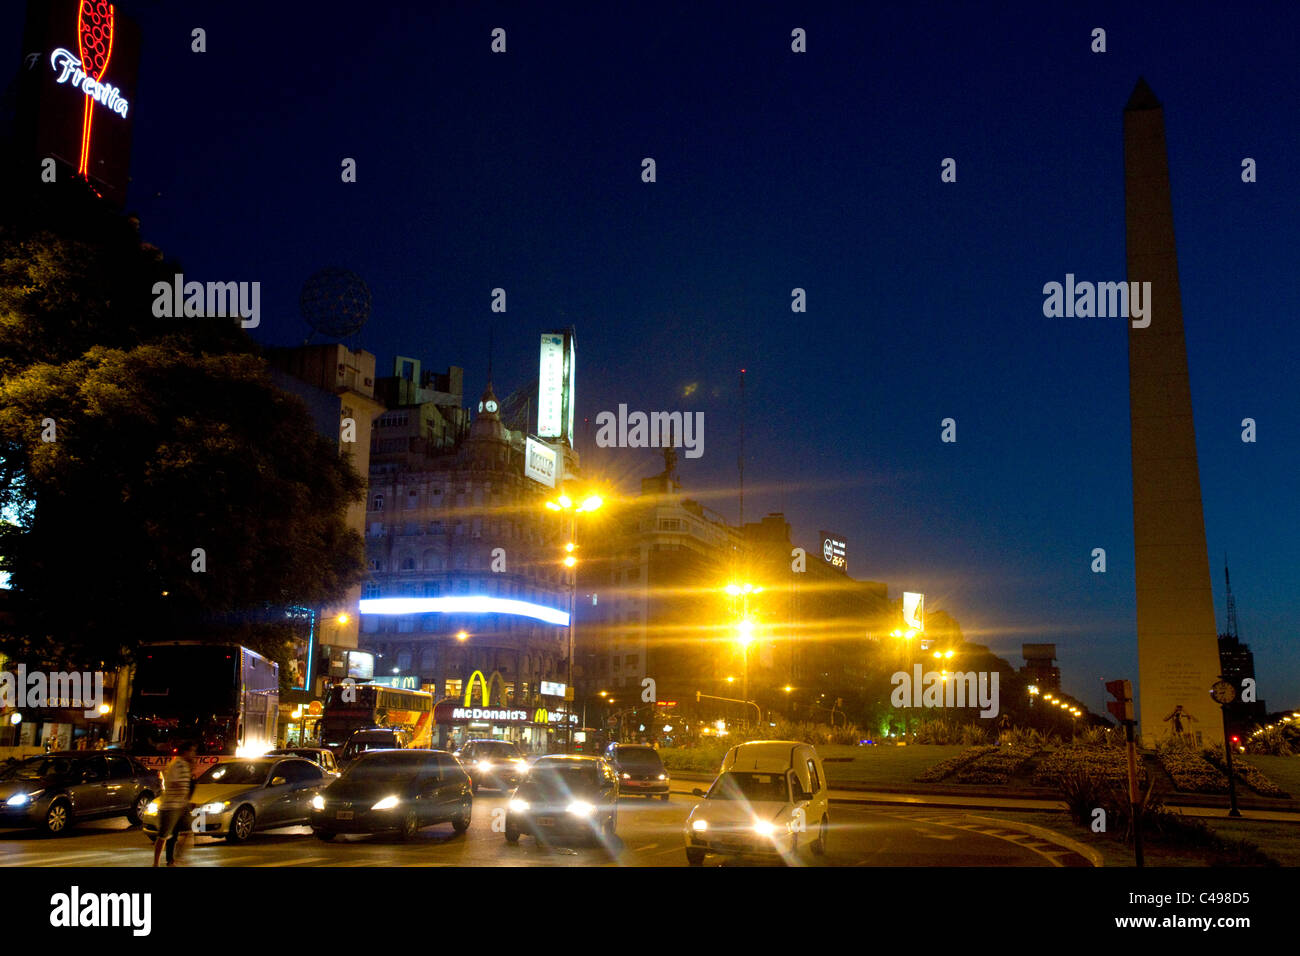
(869, 766)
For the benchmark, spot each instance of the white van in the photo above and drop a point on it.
(769, 800)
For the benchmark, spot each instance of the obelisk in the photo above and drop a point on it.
(1178, 651)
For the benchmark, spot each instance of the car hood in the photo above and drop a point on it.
(738, 812)
(367, 789)
(216, 792)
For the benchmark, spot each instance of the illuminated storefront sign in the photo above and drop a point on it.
(451, 711)
(552, 689)
(555, 386)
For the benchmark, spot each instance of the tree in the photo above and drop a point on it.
(184, 495)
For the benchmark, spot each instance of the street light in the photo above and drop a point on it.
(462, 635)
(563, 503)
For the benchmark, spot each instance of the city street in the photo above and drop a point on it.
(650, 835)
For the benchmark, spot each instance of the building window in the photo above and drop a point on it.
(408, 564)
(377, 503)
(412, 498)
(630, 660)
(371, 590)
(432, 589)
(435, 527)
(403, 660)
(405, 625)
(376, 564)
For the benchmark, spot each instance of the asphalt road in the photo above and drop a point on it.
(649, 831)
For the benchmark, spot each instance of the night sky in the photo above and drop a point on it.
(779, 170)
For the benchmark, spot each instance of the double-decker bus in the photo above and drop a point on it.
(353, 707)
(224, 697)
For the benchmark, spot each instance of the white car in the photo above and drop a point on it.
(770, 800)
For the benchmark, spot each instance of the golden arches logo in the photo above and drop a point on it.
(540, 716)
(486, 683)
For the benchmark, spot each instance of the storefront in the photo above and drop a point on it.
(539, 730)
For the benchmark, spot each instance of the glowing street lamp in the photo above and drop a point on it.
(462, 635)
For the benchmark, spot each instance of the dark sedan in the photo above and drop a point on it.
(53, 791)
(565, 798)
(639, 770)
(493, 764)
(395, 790)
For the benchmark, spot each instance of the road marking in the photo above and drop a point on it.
(305, 861)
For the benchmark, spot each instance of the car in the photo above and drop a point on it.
(374, 738)
(639, 769)
(53, 791)
(493, 764)
(319, 755)
(395, 790)
(238, 797)
(563, 798)
(770, 800)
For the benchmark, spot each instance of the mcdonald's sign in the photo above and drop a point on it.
(486, 683)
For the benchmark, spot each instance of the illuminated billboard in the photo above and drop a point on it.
(540, 462)
(77, 91)
(555, 385)
(914, 610)
(834, 551)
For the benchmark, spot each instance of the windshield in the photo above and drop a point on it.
(397, 766)
(38, 768)
(754, 787)
(560, 779)
(185, 681)
(639, 758)
(500, 749)
(375, 743)
(238, 772)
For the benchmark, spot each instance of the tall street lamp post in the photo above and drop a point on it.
(564, 503)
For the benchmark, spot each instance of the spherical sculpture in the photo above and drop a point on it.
(335, 302)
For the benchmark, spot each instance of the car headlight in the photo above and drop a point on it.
(764, 827)
(627, 776)
(152, 809)
(519, 806)
(484, 765)
(663, 776)
(699, 826)
(216, 807)
(19, 800)
(385, 804)
(581, 808)
(318, 802)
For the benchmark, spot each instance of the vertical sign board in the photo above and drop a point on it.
(76, 91)
(555, 386)
(914, 610)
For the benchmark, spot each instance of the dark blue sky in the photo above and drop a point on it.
(778, 170)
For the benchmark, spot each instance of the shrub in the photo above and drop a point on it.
(945, 767)
(1276, 741)
(1101, 737)
(998, 765)
(941, 731)
(1244, 772)
(1109, 766)
(1190, 771)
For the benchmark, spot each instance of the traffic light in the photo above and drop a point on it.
(1122, 706)
(697, 697)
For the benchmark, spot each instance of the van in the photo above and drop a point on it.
(376, 738)
(770, 799)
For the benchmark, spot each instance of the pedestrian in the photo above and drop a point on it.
(174, 807)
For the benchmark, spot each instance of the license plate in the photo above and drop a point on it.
(343, 815)
(546, 821)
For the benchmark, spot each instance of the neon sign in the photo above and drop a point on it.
(470, 604)
(105, 93)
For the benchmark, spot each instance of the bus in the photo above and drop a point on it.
(353, 707)
(224, 697)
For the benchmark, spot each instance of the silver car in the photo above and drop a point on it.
(237, 797)
(53, 791)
